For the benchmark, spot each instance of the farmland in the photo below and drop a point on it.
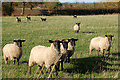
(36, 32)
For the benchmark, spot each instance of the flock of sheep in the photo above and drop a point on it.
(57, 53)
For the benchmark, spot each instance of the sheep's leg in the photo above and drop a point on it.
(102, 50)
(50, 71)
(61, 65)
(68, 59)
(41, 72)
(108, 53)
(18, 61)
(98, 52)
(91, 49)
(29, 70)
(56, 71)
(14, 61)
(6, 59)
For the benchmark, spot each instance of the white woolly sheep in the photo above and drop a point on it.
(28, 18)
(63, 51)
(42, 55)
(13, 51)
(77, 27)
(101, 44)
(18, 19)
(43, 19)
(71, 48)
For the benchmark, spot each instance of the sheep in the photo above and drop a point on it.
(101, 44)
(42, 55)
(75, 16)
(18, 19)
(77, 27)
(13, 51)
(71, 48)
(63, 50)
(28, 18)
(43, 19)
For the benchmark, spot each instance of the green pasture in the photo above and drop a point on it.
(36, 32)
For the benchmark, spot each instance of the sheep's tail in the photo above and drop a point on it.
(54, 65)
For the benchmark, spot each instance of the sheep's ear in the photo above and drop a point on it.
(106, 35)
(22, 40)
(50, 41)
(75, 39)
(112, 35)
(15, 40)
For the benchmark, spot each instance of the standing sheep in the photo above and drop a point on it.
(42, 55)
(63, 49)
(71, 48)
(28, 18)
(18, 19)
(13, 51)
(101, 44)
(43, 19)
(77, 27)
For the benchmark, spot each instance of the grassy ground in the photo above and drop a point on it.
(81, 65)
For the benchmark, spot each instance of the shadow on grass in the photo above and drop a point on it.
(90, 64)
(89, 32)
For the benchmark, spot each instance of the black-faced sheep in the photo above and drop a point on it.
(63, 51)
(77, 27)
(28, 18)
(101, 44)
(43, 19)
(71, 48)
(48, 56)
(75, 16)
(13, 51)
(18, 19)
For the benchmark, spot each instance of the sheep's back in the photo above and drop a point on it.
(76, 27)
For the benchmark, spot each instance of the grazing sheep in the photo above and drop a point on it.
(28, 18)
(71, 48)
(63, 49)
(77, 27)
(101, 44)
(75, 16)
(42, 55)
(43, 19)
(18, 19)
(13, 51)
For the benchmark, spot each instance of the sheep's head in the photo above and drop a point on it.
(72, 41)
(65, 44)
(78, 24)
(19, 42)
(56, 44)
(109, 37)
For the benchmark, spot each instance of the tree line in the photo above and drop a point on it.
(57, 8)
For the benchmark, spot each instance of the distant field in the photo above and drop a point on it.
(81, 65)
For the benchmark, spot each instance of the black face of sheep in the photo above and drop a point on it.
(56, 43)
(19, 42)
(72, 40)
(18, 19)
(109, 37)
(78, 24)
(65, 44)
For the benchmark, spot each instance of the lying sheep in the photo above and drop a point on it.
(18, 19)
(63, 51)
(42, 55)
(43, 19)
(28, 18)
(13, 51)
(77, 27)
(75, 16)
(101, 44)
(71, 48)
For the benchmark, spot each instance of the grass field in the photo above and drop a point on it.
(81, 65)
